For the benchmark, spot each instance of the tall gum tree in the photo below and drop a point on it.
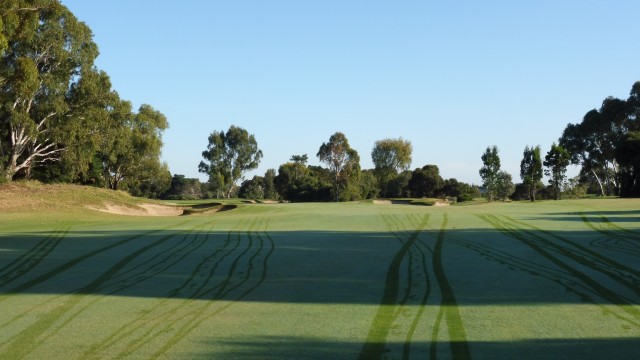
(531, 169)
(342, 160)
(229, 156)
(44, 50)
(390, 157)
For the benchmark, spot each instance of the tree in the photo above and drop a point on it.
(268, 185)
(44, 51)
(489, 171)
(229, 156)
(504, 185)
(531, 169)
(592, 142)
(252, 189)
(556, 162)
(390, 156)
(343, 161)
(132, 145)
(426, 182)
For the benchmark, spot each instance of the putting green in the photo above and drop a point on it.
(325, 281)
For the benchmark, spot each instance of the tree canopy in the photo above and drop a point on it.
(343, 161)
(489, 171)
(229, 156)
(390, 157)
(531, 169)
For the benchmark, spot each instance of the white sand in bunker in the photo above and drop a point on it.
(139, 210)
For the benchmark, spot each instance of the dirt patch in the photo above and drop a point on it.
(139, 210)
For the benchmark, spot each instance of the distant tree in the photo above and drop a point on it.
(252, 189)
(342, 160)
(368, 184)
(268, 185)
(531, 169)
(489, 171)
(504, 185)
(183, 188)
(556, 162)
(229, 156)
(426, 181)
(390, 157)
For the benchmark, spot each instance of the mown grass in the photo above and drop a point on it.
(340, 281)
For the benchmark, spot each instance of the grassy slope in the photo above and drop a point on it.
(519, 280)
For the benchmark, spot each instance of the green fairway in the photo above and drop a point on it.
(539, 280)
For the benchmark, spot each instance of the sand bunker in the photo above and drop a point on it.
(382, 202)
(139, 210)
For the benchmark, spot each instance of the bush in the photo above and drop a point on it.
(465, 197)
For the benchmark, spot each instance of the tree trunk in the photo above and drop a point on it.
(599, 182)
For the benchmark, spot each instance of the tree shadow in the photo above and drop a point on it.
(290, 347)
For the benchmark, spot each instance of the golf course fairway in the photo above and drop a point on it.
(553, 279)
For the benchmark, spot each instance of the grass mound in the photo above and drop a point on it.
(27, 196)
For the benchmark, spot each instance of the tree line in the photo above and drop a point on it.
(605, 144)
(230, 154)
(60, 119)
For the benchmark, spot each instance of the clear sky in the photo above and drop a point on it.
(453, 77)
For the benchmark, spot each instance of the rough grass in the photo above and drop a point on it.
(341, 281)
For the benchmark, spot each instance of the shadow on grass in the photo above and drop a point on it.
(484, 266)
(304, 348)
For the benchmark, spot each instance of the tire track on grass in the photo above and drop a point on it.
(127, 330)
(71, 263)
(625, 305)
(458, 342)
(189, 327)
(622, 274)
(30, 259)
(154, 266)
(26, 341)
(616, 238)
(202, 293)
(394, 300)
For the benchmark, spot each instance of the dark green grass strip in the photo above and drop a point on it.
(127, 331)
(616, 238)
(200, 315)
(406, 348)
(172, 256)
(616, 271)
(596, 287)
(29, 260)
(457, 336)
(26, 341)
(375, 346)
(69, 264)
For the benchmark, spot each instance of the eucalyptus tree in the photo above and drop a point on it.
(390, 157)
(229, 156)
(133, 145)
(531, 169)
(343, 161)
(489, 171)
(556, 162)
(44, 51)
(504, 185)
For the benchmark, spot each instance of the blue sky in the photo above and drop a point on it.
(453, 77)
